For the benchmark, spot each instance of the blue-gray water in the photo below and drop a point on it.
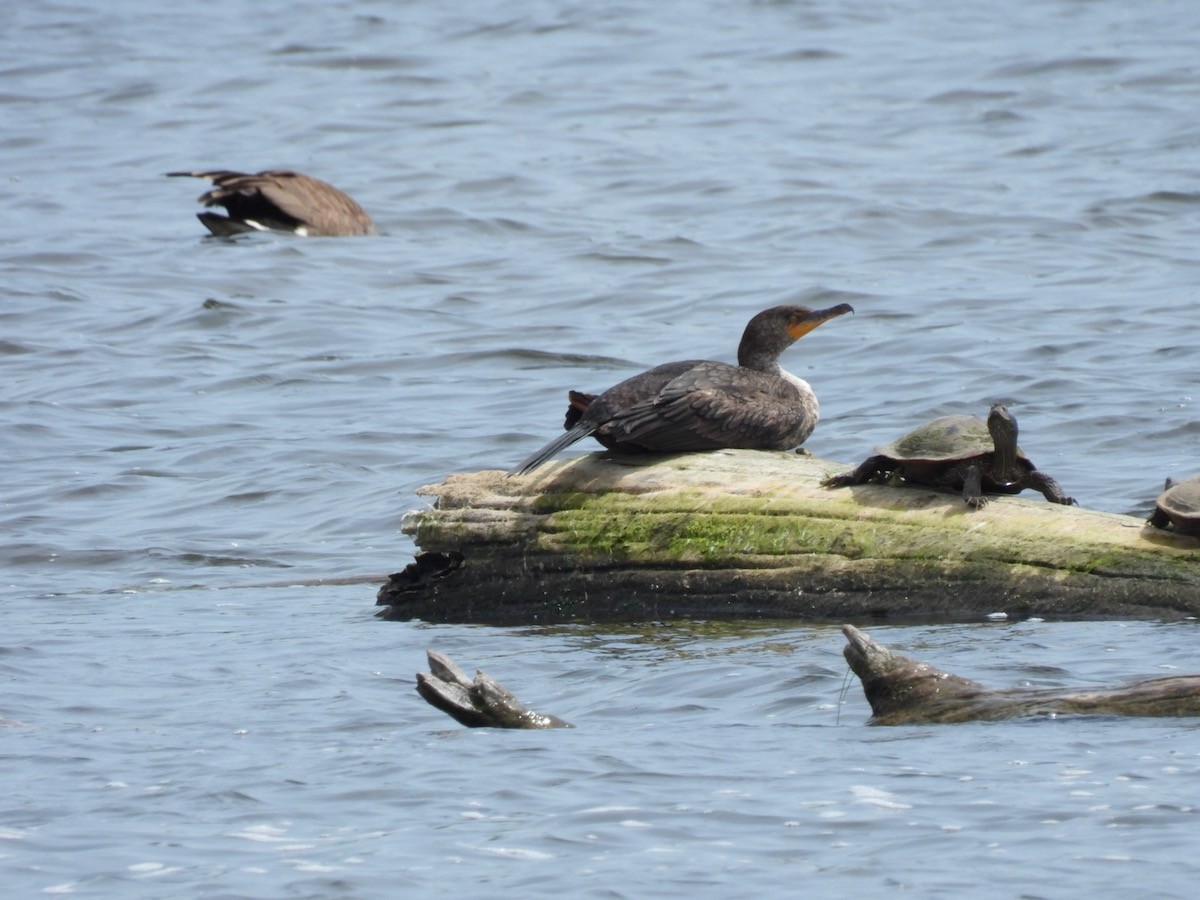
(195, 430)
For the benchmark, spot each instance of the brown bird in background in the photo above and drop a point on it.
(278, 200)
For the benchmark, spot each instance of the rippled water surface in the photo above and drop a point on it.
(209, 444)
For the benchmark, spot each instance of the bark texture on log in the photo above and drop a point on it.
(752, 534)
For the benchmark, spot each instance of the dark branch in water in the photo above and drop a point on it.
(482, 703)
(903, 691)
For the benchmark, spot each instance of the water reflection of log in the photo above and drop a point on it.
(748, 534)
(903, 691)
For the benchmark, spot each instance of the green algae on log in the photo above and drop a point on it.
(903, 691)
(738, 534)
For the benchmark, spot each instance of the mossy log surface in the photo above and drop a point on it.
(751, 534)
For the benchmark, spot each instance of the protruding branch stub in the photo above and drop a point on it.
(481, 703)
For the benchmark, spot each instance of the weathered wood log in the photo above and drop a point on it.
(482, 703)
(903, 691)
(477, 703)
(752, 534)
(900, 690)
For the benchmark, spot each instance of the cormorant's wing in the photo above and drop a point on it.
(641, 388)
(588, 412)
(689, 405)
(712, 406)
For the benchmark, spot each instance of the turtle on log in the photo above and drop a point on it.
(1178, 505)
(959, 452)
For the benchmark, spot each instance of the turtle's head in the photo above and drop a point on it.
(1003, 429)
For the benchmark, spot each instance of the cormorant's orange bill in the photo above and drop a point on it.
(802, 324)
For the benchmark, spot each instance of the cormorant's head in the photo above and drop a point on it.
(773, 330)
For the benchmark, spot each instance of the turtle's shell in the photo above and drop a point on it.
(1182, 499)
(945, 439)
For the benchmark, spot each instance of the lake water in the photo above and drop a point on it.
(209, 445)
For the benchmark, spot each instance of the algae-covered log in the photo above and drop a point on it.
(903, 691)
(752, 534)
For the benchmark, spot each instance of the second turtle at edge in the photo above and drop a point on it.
(1178, 505)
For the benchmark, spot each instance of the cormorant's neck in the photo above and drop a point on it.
(751, 357)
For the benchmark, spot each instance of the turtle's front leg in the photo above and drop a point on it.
(1050, 489)
(972, 492)
(871, 469)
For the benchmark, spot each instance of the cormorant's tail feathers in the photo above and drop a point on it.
(579, 404)
(564, 440)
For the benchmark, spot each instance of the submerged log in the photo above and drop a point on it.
(482, 703)
(900, 690)
(752, 534)
(903, 691)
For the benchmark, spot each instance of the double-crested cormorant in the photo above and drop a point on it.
(697, 404)
(278, 200)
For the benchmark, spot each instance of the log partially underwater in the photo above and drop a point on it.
(900, 690)
(904, 691)
(750, 534)
(482, 703)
